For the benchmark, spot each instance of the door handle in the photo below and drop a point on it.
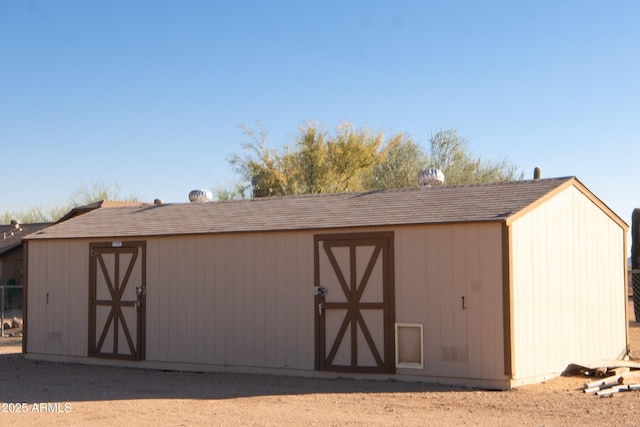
(320, 308)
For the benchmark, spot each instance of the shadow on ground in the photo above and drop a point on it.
(36, 381)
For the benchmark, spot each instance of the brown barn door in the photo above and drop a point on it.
(117, 300)
(354, 302)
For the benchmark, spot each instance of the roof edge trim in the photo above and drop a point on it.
(524, 211)
(572, 182)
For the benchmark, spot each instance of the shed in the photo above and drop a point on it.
(492, 285)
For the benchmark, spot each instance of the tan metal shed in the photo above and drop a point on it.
(492, 285)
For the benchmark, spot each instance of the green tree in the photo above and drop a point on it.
(450, 153)
(320, 162)
(97, 192)
(236, 190)
(83, 195)
(34, 214)
(311, 164)
(399, 165)
(350, 155)
(266, 169)
(351, 159)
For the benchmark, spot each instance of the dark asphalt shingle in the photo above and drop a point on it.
(11, 237)
(446, 204)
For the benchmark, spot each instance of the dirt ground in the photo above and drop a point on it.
(35, 393)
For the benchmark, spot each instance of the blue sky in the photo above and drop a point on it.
(151, 94)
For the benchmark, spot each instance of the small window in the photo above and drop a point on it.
(409, 348)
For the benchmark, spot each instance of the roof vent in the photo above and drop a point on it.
(197, 196)
(15, 223)
(158, 202)
(431, 178)
(537, 173)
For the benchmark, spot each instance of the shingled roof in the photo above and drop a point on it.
(80, 210)
(11, 235)
(446, 204)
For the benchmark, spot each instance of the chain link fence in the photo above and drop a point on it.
(634, 283)
(11, 310)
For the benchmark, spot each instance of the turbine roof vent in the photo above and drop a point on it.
(199, 196)
(431, 178)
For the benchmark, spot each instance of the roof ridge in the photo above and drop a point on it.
(393, 190)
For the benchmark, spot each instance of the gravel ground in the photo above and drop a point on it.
(35, 393)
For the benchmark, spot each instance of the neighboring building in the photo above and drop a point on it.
(11, 259)
(492, 285)
(100, 204)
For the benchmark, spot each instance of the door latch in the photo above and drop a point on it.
(320, 308)
(321, 290)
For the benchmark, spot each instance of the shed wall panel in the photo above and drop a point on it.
(485, 303)
(35, 294)
(247, 299)
(435, 267)
(58, 313)
(242, 299)
(568, 286)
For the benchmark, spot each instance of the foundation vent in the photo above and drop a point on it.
(454, 354)
(54, 337)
